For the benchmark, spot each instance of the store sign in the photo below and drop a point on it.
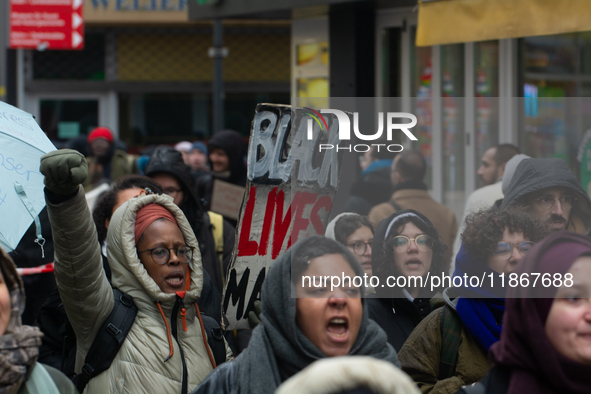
(136, 11)
(46, 24)
(289, 195)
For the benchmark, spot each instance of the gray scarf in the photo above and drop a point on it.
(278, 349)
(19, 347)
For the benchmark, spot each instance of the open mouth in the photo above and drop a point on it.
(414, 263)
(175, 279)
(338, 329)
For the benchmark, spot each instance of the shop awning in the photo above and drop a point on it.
(454, 21)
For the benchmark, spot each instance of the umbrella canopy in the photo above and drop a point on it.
(22, 143)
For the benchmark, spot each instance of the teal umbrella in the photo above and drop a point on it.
(22, 143)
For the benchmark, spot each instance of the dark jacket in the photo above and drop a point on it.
(398, 316)
(168, 160)
(495, 382)
(391, 309)
(230, 142)
(374, 188)
(28, 254)
(532, 175)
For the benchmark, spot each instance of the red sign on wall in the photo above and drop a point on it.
(46, 24)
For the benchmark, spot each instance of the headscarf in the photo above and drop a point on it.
(19, 346)
(480, 307)
(148, 215)
(330, 228)
(524, 346)
(278, 348)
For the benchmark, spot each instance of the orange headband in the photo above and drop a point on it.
(148, 215)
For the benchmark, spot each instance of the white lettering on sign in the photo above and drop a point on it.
(140, 5)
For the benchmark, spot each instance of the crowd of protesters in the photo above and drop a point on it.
(141, 262)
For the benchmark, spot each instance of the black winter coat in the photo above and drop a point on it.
(398, 316)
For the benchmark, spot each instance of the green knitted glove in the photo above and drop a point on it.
(64, 171)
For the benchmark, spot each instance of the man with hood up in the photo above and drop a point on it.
(226, 157)
(552, 193)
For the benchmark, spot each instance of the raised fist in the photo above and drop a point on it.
(64, 171)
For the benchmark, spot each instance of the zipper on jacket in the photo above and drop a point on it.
(175, 312)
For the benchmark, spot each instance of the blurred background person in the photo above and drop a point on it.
(448, 349)
(226, 157)
(374, 185)
(106, 163)
(185, 148)
(493, 165)
(410, 192)
(199, 159)
(356, 233)
(405, 244)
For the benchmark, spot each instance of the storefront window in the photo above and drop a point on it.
(66, 119)
(161, 118)
(422, 108)
(452, 68)
(486, 68)
(554, 71)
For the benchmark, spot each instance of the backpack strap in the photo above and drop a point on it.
(108, 340)
(451, 338)
(39, 381)
(217, 224)
(395, 206)
(215, 339)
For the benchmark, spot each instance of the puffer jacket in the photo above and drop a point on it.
(420, 355)
(142, 363)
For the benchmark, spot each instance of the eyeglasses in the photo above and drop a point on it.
(505, 250)
(402, 243)
(547, 202)
(359, 248)
(171, 191)
(161, 255)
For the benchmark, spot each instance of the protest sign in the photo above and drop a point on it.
(226, 199)
(289, 193)
(22, 143)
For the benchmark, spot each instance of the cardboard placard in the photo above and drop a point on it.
(226, 199)
(289, 193)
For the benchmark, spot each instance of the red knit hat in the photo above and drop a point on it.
(100, 132)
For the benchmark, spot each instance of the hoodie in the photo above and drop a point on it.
(532, 175)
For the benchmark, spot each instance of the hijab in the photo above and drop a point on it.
(524, 346)
(278, 348)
